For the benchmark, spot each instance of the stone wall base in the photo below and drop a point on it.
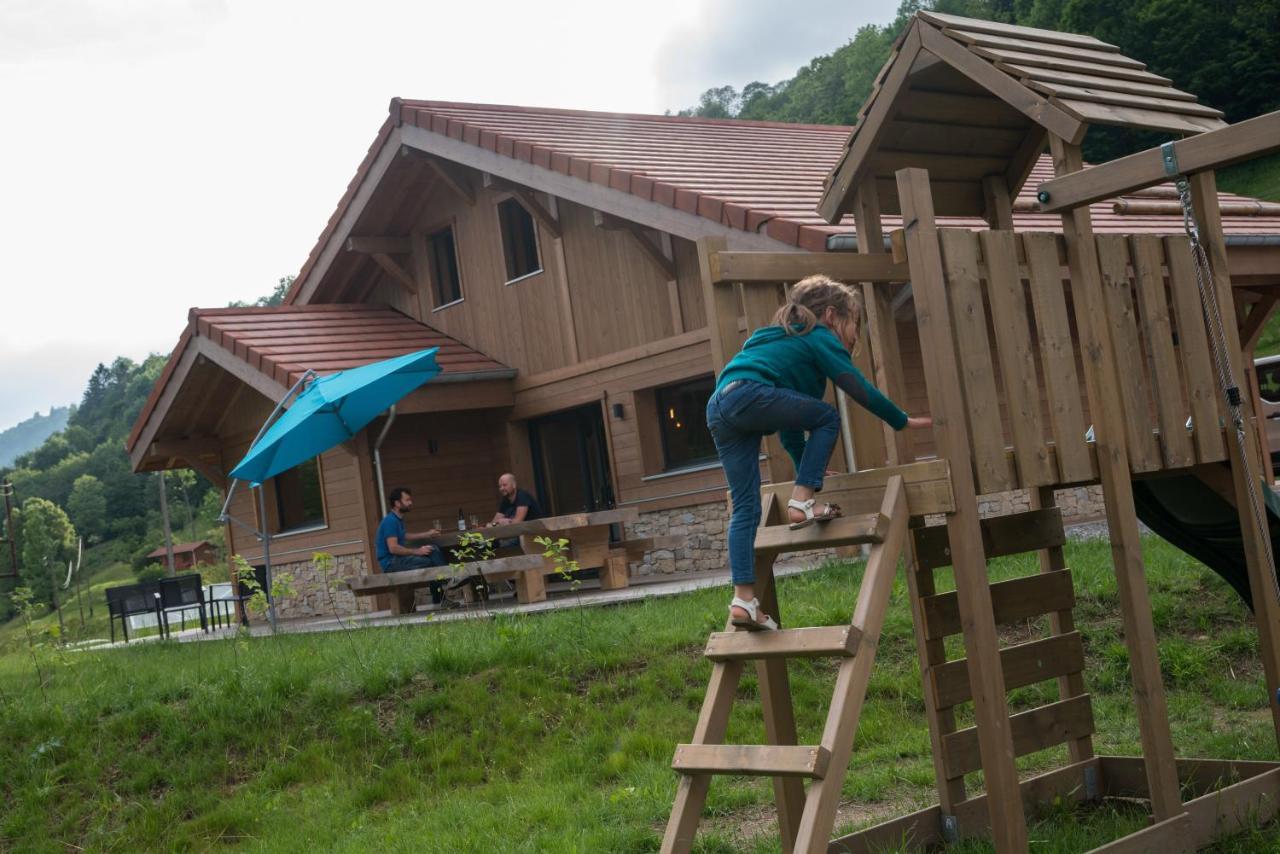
(705, 529)
(311, 599)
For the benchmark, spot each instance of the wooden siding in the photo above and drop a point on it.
(470, 453)
(617, 295)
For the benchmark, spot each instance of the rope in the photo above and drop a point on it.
(1218, 343)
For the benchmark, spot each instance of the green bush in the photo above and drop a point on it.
(149, 572)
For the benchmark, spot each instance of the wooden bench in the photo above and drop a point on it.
(527, 570)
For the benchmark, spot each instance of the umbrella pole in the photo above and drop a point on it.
(266, 557)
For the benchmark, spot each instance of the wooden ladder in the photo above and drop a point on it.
(1058, 655)
(855, 644)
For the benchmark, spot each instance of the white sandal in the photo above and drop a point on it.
(806, 507)
(755, 624)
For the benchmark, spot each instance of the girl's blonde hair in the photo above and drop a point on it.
(809, 298)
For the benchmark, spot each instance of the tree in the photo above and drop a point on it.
(87, 507)
(276, 297)
(47, 540)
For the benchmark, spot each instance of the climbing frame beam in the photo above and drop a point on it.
(1009, 829)
(1122, 520)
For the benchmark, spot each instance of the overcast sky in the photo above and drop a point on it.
(161, 155)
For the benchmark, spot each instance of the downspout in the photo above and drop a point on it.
(377, 457)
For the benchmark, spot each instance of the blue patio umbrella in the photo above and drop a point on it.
(331, 411)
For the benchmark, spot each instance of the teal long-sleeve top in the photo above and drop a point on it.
(804, 363)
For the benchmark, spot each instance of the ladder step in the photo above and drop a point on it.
(844, 531)
(784, 643)
(769, 760)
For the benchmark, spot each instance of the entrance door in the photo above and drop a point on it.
(571, 461)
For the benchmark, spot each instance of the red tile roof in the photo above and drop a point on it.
(283, 342)
(180, 548)
(754, 176)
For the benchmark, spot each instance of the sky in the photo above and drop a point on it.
(164, 154)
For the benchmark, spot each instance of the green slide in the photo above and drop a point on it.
(1185, 511)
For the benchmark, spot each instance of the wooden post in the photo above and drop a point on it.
(721, 303)
(1062, 623)
(775, 692)
(1247, 466)
(997, 206)
(986, 678)
(894, 446)
(1122, 520)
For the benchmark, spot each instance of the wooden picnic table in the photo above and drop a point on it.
(588, 535)
(589, 546)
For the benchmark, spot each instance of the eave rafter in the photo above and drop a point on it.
(381, 250)
(659, 253)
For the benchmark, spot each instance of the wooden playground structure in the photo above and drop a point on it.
(1028, 340)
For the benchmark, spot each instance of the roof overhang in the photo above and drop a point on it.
(224, 350)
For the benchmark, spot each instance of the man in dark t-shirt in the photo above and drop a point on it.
(516, 505)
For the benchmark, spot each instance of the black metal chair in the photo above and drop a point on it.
(128, 600)
(181, 593)
(220, 607)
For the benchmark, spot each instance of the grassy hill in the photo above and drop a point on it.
(544, 733)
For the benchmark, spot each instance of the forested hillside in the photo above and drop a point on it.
(27, 435)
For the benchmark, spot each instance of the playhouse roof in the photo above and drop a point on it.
(967, 99)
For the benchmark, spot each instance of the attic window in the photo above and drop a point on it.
(446, 285)
(519, 240)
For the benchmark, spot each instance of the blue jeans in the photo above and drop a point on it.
(404, 563)
(738, 418)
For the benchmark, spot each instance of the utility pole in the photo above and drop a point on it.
(11, 536)
(170, 569)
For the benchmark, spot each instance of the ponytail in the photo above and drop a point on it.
(794, 315)
(809, 298)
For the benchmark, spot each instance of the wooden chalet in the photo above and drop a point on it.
(186, 555)
(553, 256)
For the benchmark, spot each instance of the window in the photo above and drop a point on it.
(682, 420)
(299, 499)
(519, 240)
(445, 283)
(1269, 381)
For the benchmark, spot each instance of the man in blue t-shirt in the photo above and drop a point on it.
(394, 555)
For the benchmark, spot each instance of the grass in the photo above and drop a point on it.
(1259, 178)
(544, 733)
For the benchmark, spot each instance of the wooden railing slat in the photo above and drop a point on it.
(1193, 345)
(1057, 356)
(973, 349)
(1024, 664)
(1113, 260)
(1016, 599)
(1017, 358)
(1153, 309)
(1001, 535)
(1032, 730)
